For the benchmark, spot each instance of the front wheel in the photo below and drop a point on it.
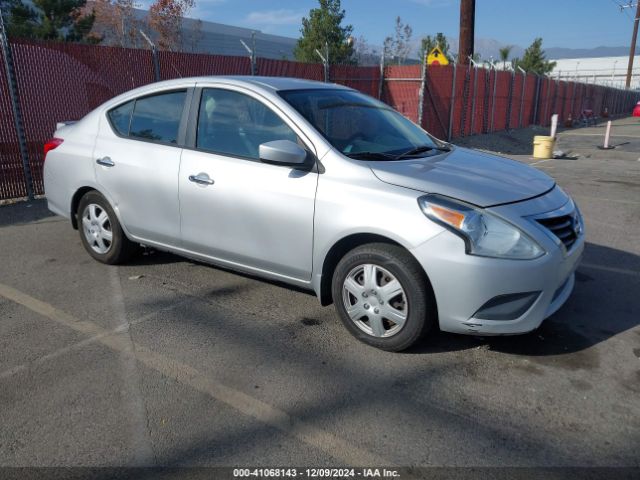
(100, 231)
(383, 296)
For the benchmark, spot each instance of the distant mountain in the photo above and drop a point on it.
(559, 52)
(490, 47)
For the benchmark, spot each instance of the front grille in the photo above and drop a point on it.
(563, 227)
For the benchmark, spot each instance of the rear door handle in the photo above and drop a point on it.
(201, 179)
(105, 162)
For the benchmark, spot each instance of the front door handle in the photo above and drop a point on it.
(105, 162)
(201, 179)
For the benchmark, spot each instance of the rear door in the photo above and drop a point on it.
(137, 160)
(234, 207)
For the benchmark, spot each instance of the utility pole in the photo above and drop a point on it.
(632, 50)
(467, 30)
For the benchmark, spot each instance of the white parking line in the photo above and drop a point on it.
(134, 403)
(240, 401)
(541, 161)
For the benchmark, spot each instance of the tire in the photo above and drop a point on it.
(370, 304)
(100, 231)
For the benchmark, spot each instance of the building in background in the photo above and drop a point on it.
(609, 71)
(199, 36)
(219, 39)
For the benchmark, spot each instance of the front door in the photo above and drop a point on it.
(235, 208)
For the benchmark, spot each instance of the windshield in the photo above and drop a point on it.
(360, 126)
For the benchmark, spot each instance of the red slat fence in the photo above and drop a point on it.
(64, 81)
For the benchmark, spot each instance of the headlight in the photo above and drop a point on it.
(484, 234)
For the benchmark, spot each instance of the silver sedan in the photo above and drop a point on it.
(322, 187)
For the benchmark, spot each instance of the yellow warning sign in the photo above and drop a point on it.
(436, 57)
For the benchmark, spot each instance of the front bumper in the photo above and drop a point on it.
(463, 283)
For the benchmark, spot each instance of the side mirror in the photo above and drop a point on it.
(282, 152)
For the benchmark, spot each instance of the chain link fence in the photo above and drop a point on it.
(63, 81)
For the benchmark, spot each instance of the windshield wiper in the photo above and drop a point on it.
(422, 149)
(371, 156)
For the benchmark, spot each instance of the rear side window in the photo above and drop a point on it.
(120, 117)
(155, 118)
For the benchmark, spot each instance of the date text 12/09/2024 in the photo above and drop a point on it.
(315, 473)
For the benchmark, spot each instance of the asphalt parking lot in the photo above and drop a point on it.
(173, 363)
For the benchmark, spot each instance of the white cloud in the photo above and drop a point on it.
(274, 17)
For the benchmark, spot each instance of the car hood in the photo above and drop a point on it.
(481, 179)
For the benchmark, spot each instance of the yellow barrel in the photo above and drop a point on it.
(543, 146)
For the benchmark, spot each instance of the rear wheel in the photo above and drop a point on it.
(383, 296)
(100, 231)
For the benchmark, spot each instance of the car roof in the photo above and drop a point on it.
(267, 83)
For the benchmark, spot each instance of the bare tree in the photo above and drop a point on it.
(363, 52)
(398, 47)
(165, 18)
(116, 22)
(194, 36)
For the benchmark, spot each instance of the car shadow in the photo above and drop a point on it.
(22, 213)
(604, 303)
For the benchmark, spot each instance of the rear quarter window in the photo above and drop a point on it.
(120, 117)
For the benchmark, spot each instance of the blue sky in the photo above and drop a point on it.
(561, 23)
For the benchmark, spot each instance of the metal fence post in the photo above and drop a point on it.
(465, 100)
(154, 56)
(325, 61)
(546, 107)
(252, 52)
(573, 99)
(512, 87)
(473, 98)
(537, 100)
(453, 103)
(381, 82)
(522, 94)
(493, 96)
(17, 113)
(423, 76)
(486, 99)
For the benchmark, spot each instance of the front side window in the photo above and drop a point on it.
(355, 123)
(235, 124)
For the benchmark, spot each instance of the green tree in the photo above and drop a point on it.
(428, 43)
(21, 19)
(504, 55)
(534, 60)
(50, 19)
(324, 28)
